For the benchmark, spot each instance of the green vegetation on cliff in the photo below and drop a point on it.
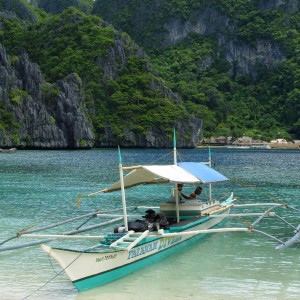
(206, 64)
(74, 42)
(263, 102)
(263, 107)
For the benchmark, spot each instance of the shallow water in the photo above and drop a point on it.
(40, 187)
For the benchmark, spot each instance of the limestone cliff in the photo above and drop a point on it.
(208, 20)
(53, 115)
(189, 129)
(242, 57)
(19, 8)
(35, 118)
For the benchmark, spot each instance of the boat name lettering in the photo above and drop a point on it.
(106, 257)
(142, 249)
(169, 241)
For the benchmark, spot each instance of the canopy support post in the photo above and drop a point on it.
(123, 191)
(176, 188)
(177, 204)
(209, 185)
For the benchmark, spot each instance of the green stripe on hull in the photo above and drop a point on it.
(100, 279)
(109, 276)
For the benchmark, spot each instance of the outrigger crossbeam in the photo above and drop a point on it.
(269, 213)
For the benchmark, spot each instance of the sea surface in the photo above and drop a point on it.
(38, 188)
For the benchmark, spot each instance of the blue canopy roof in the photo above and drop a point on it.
(203, 172)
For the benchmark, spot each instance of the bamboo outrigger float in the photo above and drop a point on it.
(154, 236)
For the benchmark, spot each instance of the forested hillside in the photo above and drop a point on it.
(113, 87)
(234, 62)
(103, 73)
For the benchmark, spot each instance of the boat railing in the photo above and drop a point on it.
(129, 240)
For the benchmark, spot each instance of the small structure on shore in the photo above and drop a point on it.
(279, 141)
(11, 150)
(248, 142)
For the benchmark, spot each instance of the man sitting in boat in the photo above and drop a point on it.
(180, 194)
(194, 194)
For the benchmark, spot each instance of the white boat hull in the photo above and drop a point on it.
(90, 269)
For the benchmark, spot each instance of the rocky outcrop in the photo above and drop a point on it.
(188, 132)
(19, 9)
(242, 57)
(117, 56)
(281, 4)
(52, 116)
(69, 113)
(39, 114)
(35, 119)
(205, 22)
(155, 137)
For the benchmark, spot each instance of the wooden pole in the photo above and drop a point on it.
(195, 232)
(176, 189)
(62, 236)
(13, 247)
(123, 191)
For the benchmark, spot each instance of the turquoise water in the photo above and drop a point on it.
(40, 187)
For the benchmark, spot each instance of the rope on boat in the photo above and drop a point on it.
(17, 235)
(57, 273)
(248, 184)
(78, 200)
(90, 218)
(247, 223)
(161, 157)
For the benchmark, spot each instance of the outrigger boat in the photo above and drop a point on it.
(157, 234)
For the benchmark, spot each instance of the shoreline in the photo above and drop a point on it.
(269, 146)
